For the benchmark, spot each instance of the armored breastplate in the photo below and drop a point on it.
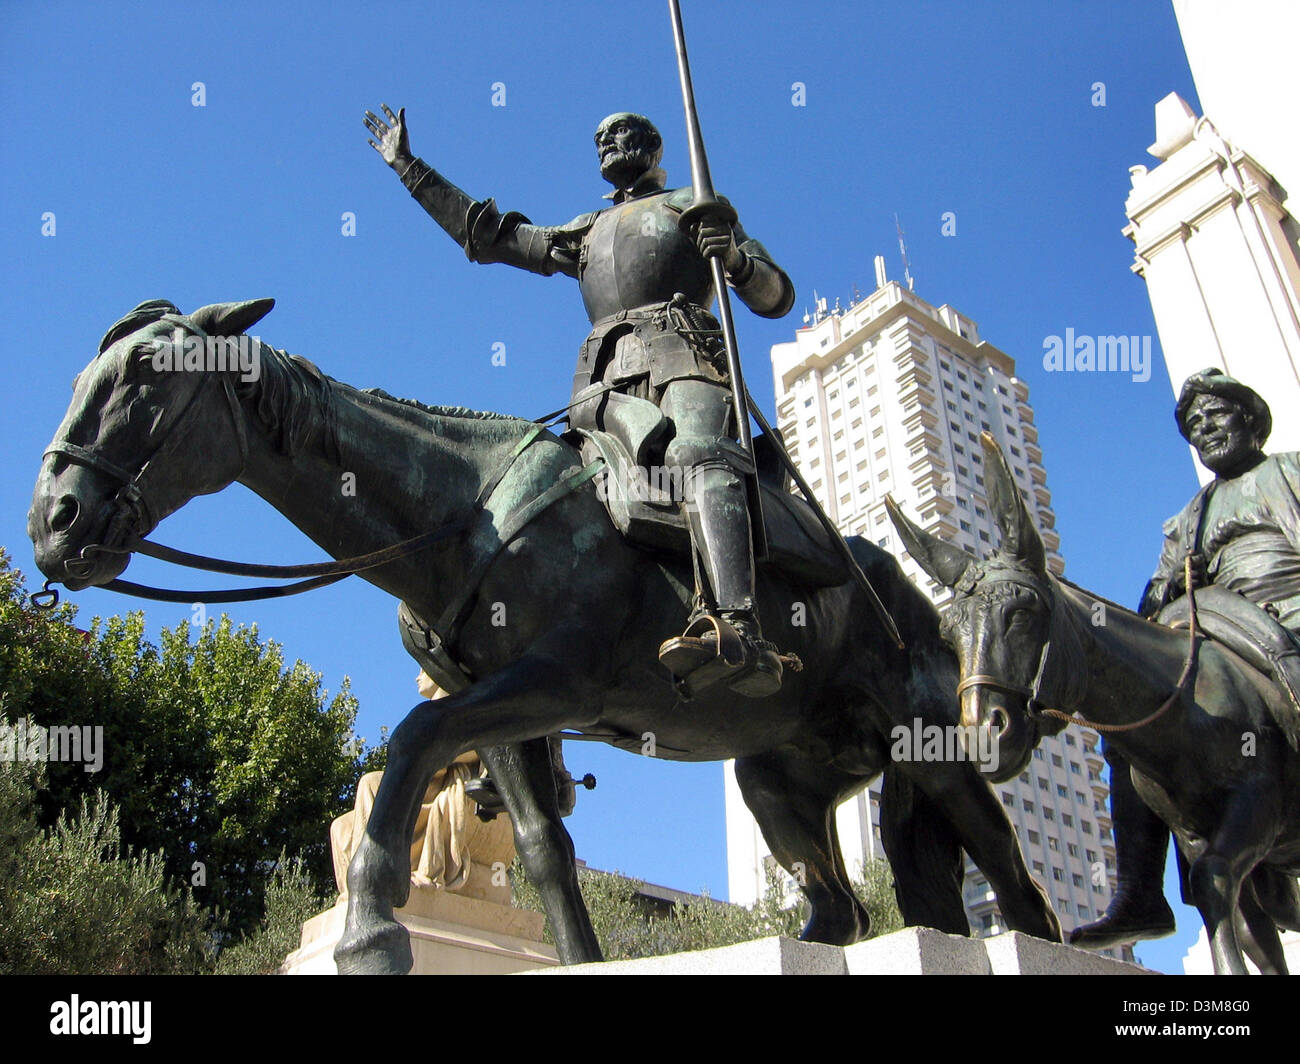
(636, 254)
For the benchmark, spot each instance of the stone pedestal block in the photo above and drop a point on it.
(451, 934)
(913, 951)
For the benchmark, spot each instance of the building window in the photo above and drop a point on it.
(1062, 791)
(1056, 760)
(1028, 805)
(1067, 820)
(1033, 838)
(1058, 874)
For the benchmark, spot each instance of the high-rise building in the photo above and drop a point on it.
(889, 396)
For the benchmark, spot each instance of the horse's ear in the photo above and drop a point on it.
(146, 313)
(1020, 537)
(944, 562)
(230, 319)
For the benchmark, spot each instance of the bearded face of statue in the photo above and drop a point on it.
(628, 146)
(1222, 435)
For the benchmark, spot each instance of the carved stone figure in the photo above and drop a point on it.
(449, 843)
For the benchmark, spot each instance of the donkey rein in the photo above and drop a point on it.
(1178, 691)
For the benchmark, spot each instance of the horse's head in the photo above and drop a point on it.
(154, 421)
(1001, 624)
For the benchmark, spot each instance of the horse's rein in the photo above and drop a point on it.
(1030, 694)
(1188, 665)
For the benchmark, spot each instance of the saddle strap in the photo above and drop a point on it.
(446, 630)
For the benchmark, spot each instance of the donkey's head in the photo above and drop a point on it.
(1001, 623)
(154, 421)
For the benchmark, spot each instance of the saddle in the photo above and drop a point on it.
(1249, 631)
(644, 501)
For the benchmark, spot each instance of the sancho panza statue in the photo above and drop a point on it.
(1242, 532)
(647, 288)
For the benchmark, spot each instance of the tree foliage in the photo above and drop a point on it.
(628, 927)
(292, 898)
(217, 756)
(73, 899)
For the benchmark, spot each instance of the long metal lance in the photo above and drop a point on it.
(707, 205)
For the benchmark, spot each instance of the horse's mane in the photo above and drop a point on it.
(1083, 591)
(294, 401)
(443, 411)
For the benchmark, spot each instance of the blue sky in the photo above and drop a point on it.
(916, 109)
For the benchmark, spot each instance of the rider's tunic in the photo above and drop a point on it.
(1249, 536)
(644, 283)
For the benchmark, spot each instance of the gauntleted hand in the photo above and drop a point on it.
(394, 144)
(716, 237)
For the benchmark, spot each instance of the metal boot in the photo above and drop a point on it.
(1138, 910)
(726, 646)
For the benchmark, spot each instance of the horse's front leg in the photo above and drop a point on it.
(524, 774)
(531, 697)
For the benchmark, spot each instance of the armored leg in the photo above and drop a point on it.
(723, 642)
(1138, 910)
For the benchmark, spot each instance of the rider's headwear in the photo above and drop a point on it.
(1214, 381)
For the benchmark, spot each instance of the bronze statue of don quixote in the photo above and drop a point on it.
(632, 610)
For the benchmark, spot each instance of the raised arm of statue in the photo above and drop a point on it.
(477, 226)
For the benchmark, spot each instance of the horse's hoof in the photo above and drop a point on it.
(837, 932)
(383, 950)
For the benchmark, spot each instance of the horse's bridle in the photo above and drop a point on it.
(1031, 694)
(132, 515)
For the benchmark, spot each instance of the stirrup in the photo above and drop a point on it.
(712, 651)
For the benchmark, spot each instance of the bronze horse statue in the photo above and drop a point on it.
(559, 620)
(1211, 741)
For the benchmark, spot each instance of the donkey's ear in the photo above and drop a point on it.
(230, 319)
(1020, 537)
(944, 562)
